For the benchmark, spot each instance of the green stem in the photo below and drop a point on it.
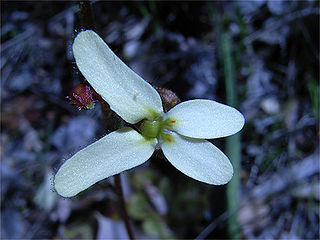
(233, 143)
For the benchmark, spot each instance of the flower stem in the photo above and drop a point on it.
(117, 182)
(86, 16)
(87, 22)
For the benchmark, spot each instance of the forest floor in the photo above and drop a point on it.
(179, 46)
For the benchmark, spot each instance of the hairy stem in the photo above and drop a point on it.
(86, 16)
(87, 22)
(117, 182)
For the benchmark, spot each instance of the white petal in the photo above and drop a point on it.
(127, 93)
(202, 118)
(198, 159)
(112, 154)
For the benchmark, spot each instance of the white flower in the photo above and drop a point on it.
(180, 133)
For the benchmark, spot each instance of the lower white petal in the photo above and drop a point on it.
(198, 159)
(112, 154)
(202, 118)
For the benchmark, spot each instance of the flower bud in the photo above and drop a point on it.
(169, 98)
(83, 96)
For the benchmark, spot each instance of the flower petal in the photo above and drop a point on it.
(112, 154)
(198, 159)
(205, 119)
(132, 98)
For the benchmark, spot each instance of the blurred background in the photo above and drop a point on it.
(260, 56)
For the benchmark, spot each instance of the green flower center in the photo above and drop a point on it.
(156, 127)
(150, 128)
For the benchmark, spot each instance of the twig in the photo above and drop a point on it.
(278, 23)
(19, 39)
(86, 17)
(205, 232)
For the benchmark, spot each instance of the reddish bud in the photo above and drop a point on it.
(169, 98)
(83, 96)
